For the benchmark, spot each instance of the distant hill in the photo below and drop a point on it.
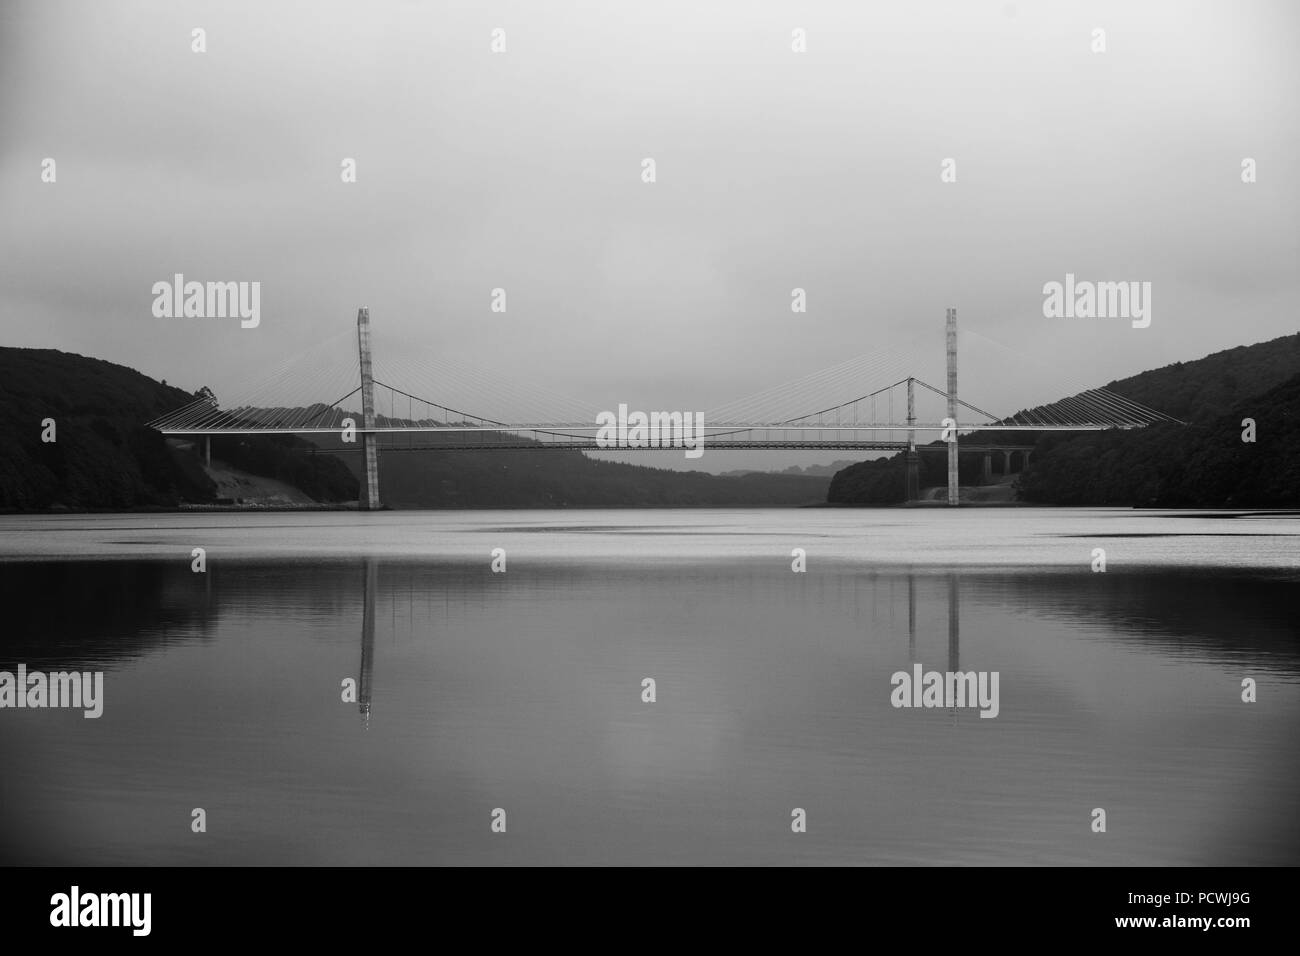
(565, 478)
(103, 457)
(1193, 465)
(1202, 465)
(821, 471)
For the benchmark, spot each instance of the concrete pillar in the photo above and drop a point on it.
(1024, 463)
(913, 460)
(369, 452)
(987, 473)
(952, 406)
(1006, 462)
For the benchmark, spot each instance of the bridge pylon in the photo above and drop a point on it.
(369, 500)
(952, 407)
(913, 458)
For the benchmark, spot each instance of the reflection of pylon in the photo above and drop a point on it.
(911, 617)
(954, 624)
(368, 589)
(954, 629)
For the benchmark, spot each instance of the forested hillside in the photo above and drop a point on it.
(1204, 463)
(102, 456)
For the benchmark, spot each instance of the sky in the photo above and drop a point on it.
(522, 170)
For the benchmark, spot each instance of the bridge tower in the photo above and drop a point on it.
(913, 459)
(369, 452)
(952, 406)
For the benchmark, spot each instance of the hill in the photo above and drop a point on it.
(102, 456)
(1192, 465)
(1202, 390)
(1205, 465)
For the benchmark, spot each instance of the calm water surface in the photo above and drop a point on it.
(523, 690)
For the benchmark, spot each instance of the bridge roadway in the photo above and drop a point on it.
(711, 431)
(709, 445)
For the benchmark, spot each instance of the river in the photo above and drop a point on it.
(507, 717)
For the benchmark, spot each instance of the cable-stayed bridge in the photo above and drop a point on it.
(832, 409)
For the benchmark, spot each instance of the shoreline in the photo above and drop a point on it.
(1201, 511)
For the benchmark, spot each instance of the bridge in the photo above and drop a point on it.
(812, 413)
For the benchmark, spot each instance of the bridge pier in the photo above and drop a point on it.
(913, 475)
(369, 500)
(952, 406)
(986, 474)
(913, 491)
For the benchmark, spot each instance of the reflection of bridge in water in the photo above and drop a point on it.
(507, 417)
(365, 679)
(370, 593)
(954, 620)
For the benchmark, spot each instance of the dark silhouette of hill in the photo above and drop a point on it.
(1202, 390)
(1203, 463)
(1200, 465)
(103, 457)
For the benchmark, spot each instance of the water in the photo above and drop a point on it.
(523, 690)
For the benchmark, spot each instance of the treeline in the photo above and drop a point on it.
(291, 460)
(563, 478)
(102, 455)
(1202, 390)
(1202, 464)
(883, 481)
(1205, 464)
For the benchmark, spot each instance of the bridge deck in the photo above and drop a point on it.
(708, 445)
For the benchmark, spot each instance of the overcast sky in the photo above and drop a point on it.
(775, 170)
